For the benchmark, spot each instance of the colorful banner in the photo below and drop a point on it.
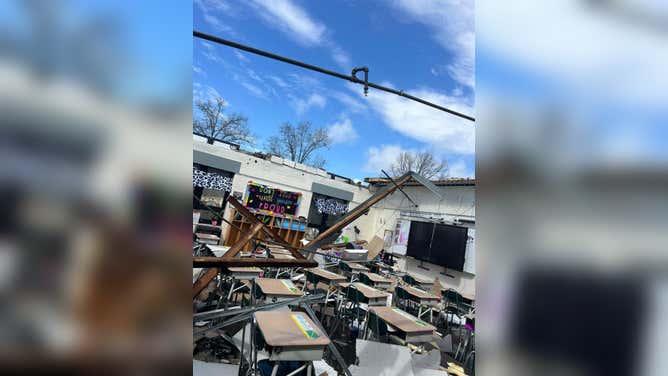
(271, 201)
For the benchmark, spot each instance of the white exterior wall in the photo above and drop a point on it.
(459, 202)
(281, 174)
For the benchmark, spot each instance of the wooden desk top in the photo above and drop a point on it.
(356, 266)
(241, 269)
(421, 281)
(282, 256)
(377, 278)
(401, 320)
(202, 235)
(271, 286)
(289, 329)
(327, 275)
(369, 292)
(279, 251)
(419, 293)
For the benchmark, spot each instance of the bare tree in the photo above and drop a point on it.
(299, 143)
(424, 163)
(213, 124)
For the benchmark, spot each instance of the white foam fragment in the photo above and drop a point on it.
(214, 369)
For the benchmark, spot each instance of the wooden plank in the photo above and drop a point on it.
(357, 212)
(209, 275)
(238, 246)
(209, 262)
(271, 232)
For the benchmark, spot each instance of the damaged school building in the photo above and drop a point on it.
(297, 270)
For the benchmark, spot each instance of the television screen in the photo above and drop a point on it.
(439, 244)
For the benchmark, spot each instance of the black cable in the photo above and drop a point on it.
(350, 78)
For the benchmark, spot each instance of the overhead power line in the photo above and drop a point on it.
(352, 77)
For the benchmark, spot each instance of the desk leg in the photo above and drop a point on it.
(229, 295)
(309, 369)
(275, 370)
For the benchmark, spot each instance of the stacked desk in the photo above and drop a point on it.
(276, 290)
(375, 280)
(412, 329)
(291, 336)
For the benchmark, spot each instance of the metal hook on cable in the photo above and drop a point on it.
(366, 78)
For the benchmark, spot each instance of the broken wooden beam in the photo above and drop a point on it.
(223, 262)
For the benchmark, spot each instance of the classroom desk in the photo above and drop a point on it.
(244, 273)
(422, 283)
(351, 269)
(378, 281)
(316, 275)
(412, 329)
(277, 289)
(291, 336)
(370, 295)
(322, 275)
(422, 298)
(241, 274)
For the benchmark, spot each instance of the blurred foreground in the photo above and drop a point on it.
(573, 187)
(95, 181)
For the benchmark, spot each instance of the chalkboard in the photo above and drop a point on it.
(266, 200)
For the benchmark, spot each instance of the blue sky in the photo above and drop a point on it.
(425, 48)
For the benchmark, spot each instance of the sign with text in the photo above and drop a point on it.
(272, 201)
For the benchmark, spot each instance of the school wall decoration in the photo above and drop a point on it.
(272, 201)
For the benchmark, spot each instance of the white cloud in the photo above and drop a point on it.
(352, 104)
(441, 131)
(340, 56)
(292, 20)
(278, 81)
(204, 92)
(253, 89)
(459, 169)
(298, 25)
(243, 58)
(381, 158)
(303, 105)
(253, 75)
(198, 70)
(453, 24)
(590, 51)
(209, 8)
(342, 131)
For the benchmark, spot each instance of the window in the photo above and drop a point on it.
(325, 211)
(211, 186)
